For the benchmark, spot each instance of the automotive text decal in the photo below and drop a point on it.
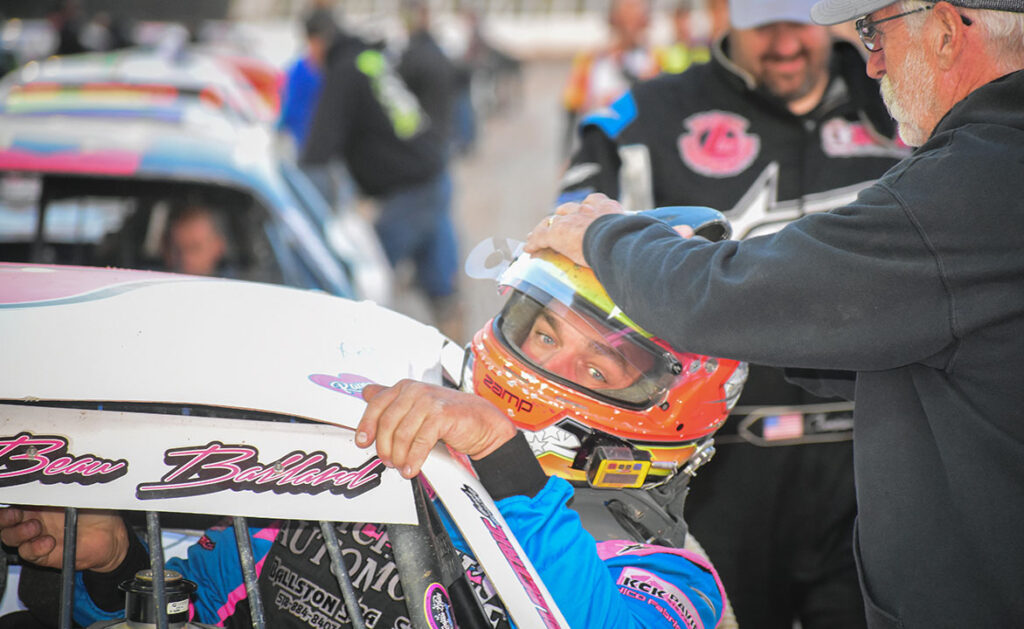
(659, 593)
(218, 467)
(25, 458)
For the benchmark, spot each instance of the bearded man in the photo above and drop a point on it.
(909, 300)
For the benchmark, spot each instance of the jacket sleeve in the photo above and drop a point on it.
(212, 564)
(857, 288)
(655, 588)
(824, 382)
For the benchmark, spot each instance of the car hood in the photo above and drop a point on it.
(77, 333)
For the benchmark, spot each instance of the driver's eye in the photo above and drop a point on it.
(596, 374)
(545, 339)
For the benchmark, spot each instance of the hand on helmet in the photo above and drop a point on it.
(564, 231)
(406, 420)
(38, 534)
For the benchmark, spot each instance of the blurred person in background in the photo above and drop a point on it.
(598, 77)
(432, 78)
(301, 88)
(470, 60)
(718, 14)
(67, 21)
(396, 151)
(193, 243)
(299, 95)
(105, 32)
(689, 46)
(427, 70)
(783, 121)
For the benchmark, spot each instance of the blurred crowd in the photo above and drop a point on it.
(712, 115)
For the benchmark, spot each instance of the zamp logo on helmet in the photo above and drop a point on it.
(518, 403)
(716, 144)
(347, 383)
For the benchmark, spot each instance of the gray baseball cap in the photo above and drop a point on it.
(837, 11)
(753, 13)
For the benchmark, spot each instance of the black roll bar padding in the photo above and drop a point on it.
(469, 612)
(67, 570)
(154, 538)
(259, 620)
(338, 568)
(416, 557)
(425, 555)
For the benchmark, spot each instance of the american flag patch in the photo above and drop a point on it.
(778, 427)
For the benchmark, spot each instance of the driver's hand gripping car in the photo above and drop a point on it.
(625, 419)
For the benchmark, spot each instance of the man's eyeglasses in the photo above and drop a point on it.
(871, 37)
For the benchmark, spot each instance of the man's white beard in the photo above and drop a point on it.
(908, 100)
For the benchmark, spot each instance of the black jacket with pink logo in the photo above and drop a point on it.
(709, 137)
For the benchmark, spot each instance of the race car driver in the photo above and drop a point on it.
(604, 406)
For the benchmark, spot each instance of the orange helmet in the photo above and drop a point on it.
(602, 402)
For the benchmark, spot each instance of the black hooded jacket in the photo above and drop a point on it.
(368, 117)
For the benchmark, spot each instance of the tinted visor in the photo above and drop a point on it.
(578, 346)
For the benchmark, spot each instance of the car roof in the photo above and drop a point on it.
(185, 144)
(73, 83)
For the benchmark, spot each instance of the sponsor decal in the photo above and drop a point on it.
(716, 144)
(484, 592)
(347, 383)
(307, 601)
(660, 594)
(218, 467)
(512, 557)
(511, 399)
(760, 211)
(438, 607)
(301, 582)
(845, 138)
(627, 549)
(400, 105)
(26, 458)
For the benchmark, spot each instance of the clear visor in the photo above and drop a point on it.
(577, 346)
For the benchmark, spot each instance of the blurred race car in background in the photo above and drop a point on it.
(98, 150)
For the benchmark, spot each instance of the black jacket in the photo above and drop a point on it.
(709, 137)
(431, 77)
(368, 117)
(918, 286)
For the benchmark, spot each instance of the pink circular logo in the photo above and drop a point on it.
(716, 144)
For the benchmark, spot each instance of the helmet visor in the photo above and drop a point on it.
(578, 347)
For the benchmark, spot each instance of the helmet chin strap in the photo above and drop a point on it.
(650, 516)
